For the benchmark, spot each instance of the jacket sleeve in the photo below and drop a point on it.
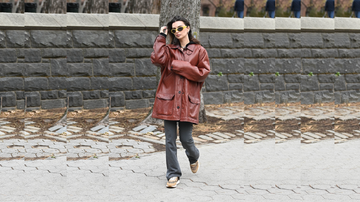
(160, 55)
(194, 73)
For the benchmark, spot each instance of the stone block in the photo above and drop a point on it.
(233, 96)
(267, 86)
(309, 83)
(144, 67)
(354, 40)
(53, 104)
(11, 83)
(120, 84)
(324, 53)
(235, 86)
(342, 40)
(75, 99)
(337, 96)
(78, 83)
(279, 83)
(329, 40)
(148, 93)
(238, 40)
(352, 78)
(282, 40)
(48, 39)
(249, 98)
(36, 69)
(347, 66)
(326, 78)
(20, 95)
(95, 104)
(58, 83)
(80, 69)
(232, 53)
(8, 99)
(318, 66)
(214, 52)
(117, 55)
(267, 78)
(136, 104)
(90, 95)
(75, 55)
(91, 38)
(101, 67)
(46, 95)
(134, 38)
(220, 40)
(2, 39)
(251, 83)
(227, 66)
(20, 104)
(32, 55)
(8, 55)
(339, 84)
(145, 83)
(235, 78)
(264, 53)
(104, 93)
(311, 40)
(269, 40)
(216, 83)
(306, 53)
(117, 99)
(32, 99)
(253, 40)
(295, 40)
(293, 86)
(213, 98)
(62, 93)
(307, 98)
(260, 66)
(122, 69)
(12, 70)
(327, 86)
(139, 52)
(287, 66)
(349, 53)
(96, 52)
(102, 83)
(247, 53)
(353, 86)
(17, 39)
(59, 67)
(288, 53)
(130, 95)
(36, 83)
(54, 52)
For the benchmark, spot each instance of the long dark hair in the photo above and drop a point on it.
(173, 39)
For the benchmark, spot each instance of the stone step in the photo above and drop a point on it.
(320, 134)
(297, 131)
(205, 137)
(280, 136)
(253, 135)
(312, 135)
(348, 134)
(307, 137)
(311, 141)
(96, 128)
(55, 128)
(230, 134)
(251, 141)
(242, 132)
(222, 135)
(339, 141)
(214, 136)
(341, 135)
(286, 134)
(136, 129)
(249, 137)
(261, 134)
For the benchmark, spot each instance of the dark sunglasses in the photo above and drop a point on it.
(179, 29)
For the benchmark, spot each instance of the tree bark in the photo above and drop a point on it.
(189, 9)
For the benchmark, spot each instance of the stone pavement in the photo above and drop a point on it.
(230, 171)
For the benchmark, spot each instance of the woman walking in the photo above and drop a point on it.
(184, 67)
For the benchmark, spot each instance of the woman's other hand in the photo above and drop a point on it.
(164, 30)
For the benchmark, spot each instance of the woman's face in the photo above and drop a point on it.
(180, 34)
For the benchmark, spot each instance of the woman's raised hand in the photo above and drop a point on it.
(164, 30)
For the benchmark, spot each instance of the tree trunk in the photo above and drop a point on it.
(189, 9)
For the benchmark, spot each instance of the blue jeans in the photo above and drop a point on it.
(271, 14)
(331, 14)
(357, 14)
(297, 14)
(240, 14)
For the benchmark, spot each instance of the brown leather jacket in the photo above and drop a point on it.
(182, 75)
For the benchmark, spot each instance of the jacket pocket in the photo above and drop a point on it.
(194, 107)
(164, 103)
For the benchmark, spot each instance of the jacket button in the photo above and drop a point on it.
(179, 92)
(178, 107)
(181, 77)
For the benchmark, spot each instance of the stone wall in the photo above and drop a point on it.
(82, 60)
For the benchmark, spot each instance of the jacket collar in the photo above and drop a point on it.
(190, 46)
